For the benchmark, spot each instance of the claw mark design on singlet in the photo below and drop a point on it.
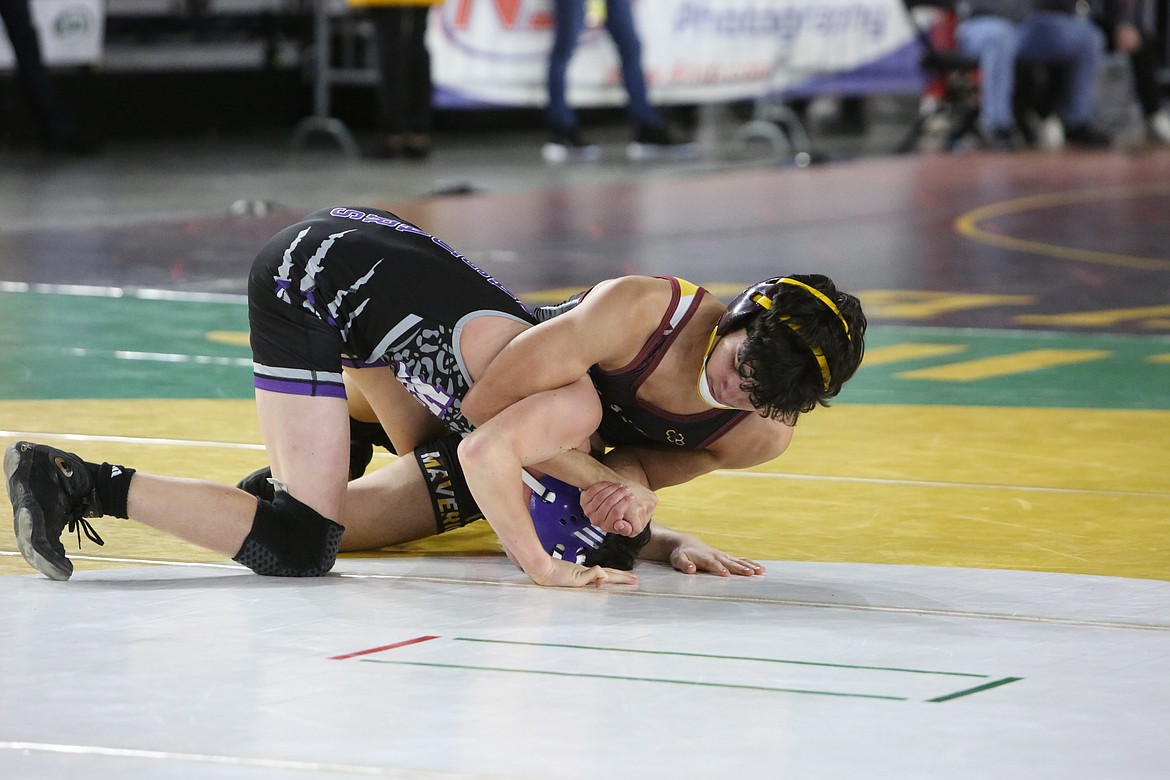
(308, 283)
(335, 305)
(283, 276)
(313, 267)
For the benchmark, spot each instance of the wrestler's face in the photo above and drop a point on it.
(723, 372)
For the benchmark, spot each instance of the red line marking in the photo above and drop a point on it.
(414, 641)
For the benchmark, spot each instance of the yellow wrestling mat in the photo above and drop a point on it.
(1055, 490)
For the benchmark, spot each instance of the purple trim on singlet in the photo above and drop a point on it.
(355, 363)
(621, 387)
(297, 387)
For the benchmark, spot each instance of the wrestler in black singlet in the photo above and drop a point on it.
(361, 287)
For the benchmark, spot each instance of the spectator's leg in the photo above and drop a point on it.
(568, 20)
(1064, 38)
(619, 20)
(55, 121)
(393, 67)
(420, 88)
(1144, 63)
(994, 42)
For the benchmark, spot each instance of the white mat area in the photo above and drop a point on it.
(456, 667)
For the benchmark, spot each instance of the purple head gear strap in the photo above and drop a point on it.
(561, 525)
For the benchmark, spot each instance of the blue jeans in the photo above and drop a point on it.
(1044, 38)
(569, 16)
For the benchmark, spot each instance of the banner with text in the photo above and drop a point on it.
(495, 52)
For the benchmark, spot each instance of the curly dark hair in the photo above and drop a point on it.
(617, 551)
(778, 365)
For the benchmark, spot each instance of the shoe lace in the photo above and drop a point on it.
(80, 524)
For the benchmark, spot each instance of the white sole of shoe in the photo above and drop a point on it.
(557, 154)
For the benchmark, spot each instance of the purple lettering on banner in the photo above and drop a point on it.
(784, 23)
(346, 213)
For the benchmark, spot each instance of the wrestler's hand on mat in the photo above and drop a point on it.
(562, 574)
(691, 555)
(619, 508)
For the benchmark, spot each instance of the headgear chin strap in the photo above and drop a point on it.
(704, 383)
(764, 296)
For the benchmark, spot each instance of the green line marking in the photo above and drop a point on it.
(976, 689)
(721, 657)
(94, 346)
(635, 679)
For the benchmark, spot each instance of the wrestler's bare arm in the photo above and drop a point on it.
(608, 328)
(754, 441)
(531, 431)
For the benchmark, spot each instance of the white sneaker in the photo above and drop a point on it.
(1050, 133)
(1158, 127)
(567, 146)
(558, 154)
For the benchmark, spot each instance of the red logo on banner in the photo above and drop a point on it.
(512, 14)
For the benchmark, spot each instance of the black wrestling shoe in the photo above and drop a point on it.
(51, 491)
(258, 485)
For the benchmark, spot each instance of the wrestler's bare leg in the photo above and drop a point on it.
(405, 420)
(386, 507)
(308, 445)
(307, 438)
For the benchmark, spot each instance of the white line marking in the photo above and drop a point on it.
(37, 435)
(111, 559)
(158, 357)
(99, 291)
(242, 761)
(936, 484)
(34, 435)
(1078, 622)
(798, 603)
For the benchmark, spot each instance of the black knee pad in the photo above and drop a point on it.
(290, 539)
(451, 499)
